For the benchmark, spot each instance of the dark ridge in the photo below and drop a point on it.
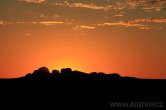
(67, 74)
(75, 90)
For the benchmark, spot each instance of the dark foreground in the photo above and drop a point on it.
(99, 92)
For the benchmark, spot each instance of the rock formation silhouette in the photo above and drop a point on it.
(68, 74)
(68, 89)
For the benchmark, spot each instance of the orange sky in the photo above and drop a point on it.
(87, 35)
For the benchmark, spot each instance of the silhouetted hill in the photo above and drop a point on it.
(66, 74)
(68, 89)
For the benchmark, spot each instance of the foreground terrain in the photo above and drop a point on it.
(77, 90)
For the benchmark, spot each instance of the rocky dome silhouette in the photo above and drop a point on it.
(43, 73)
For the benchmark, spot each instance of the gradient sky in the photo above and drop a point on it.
(122, 36)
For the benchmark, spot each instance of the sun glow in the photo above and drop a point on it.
(69, 63)
(55, 34)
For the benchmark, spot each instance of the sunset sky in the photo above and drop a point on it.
(111, 36)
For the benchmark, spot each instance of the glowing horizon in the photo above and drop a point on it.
(121, 36)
